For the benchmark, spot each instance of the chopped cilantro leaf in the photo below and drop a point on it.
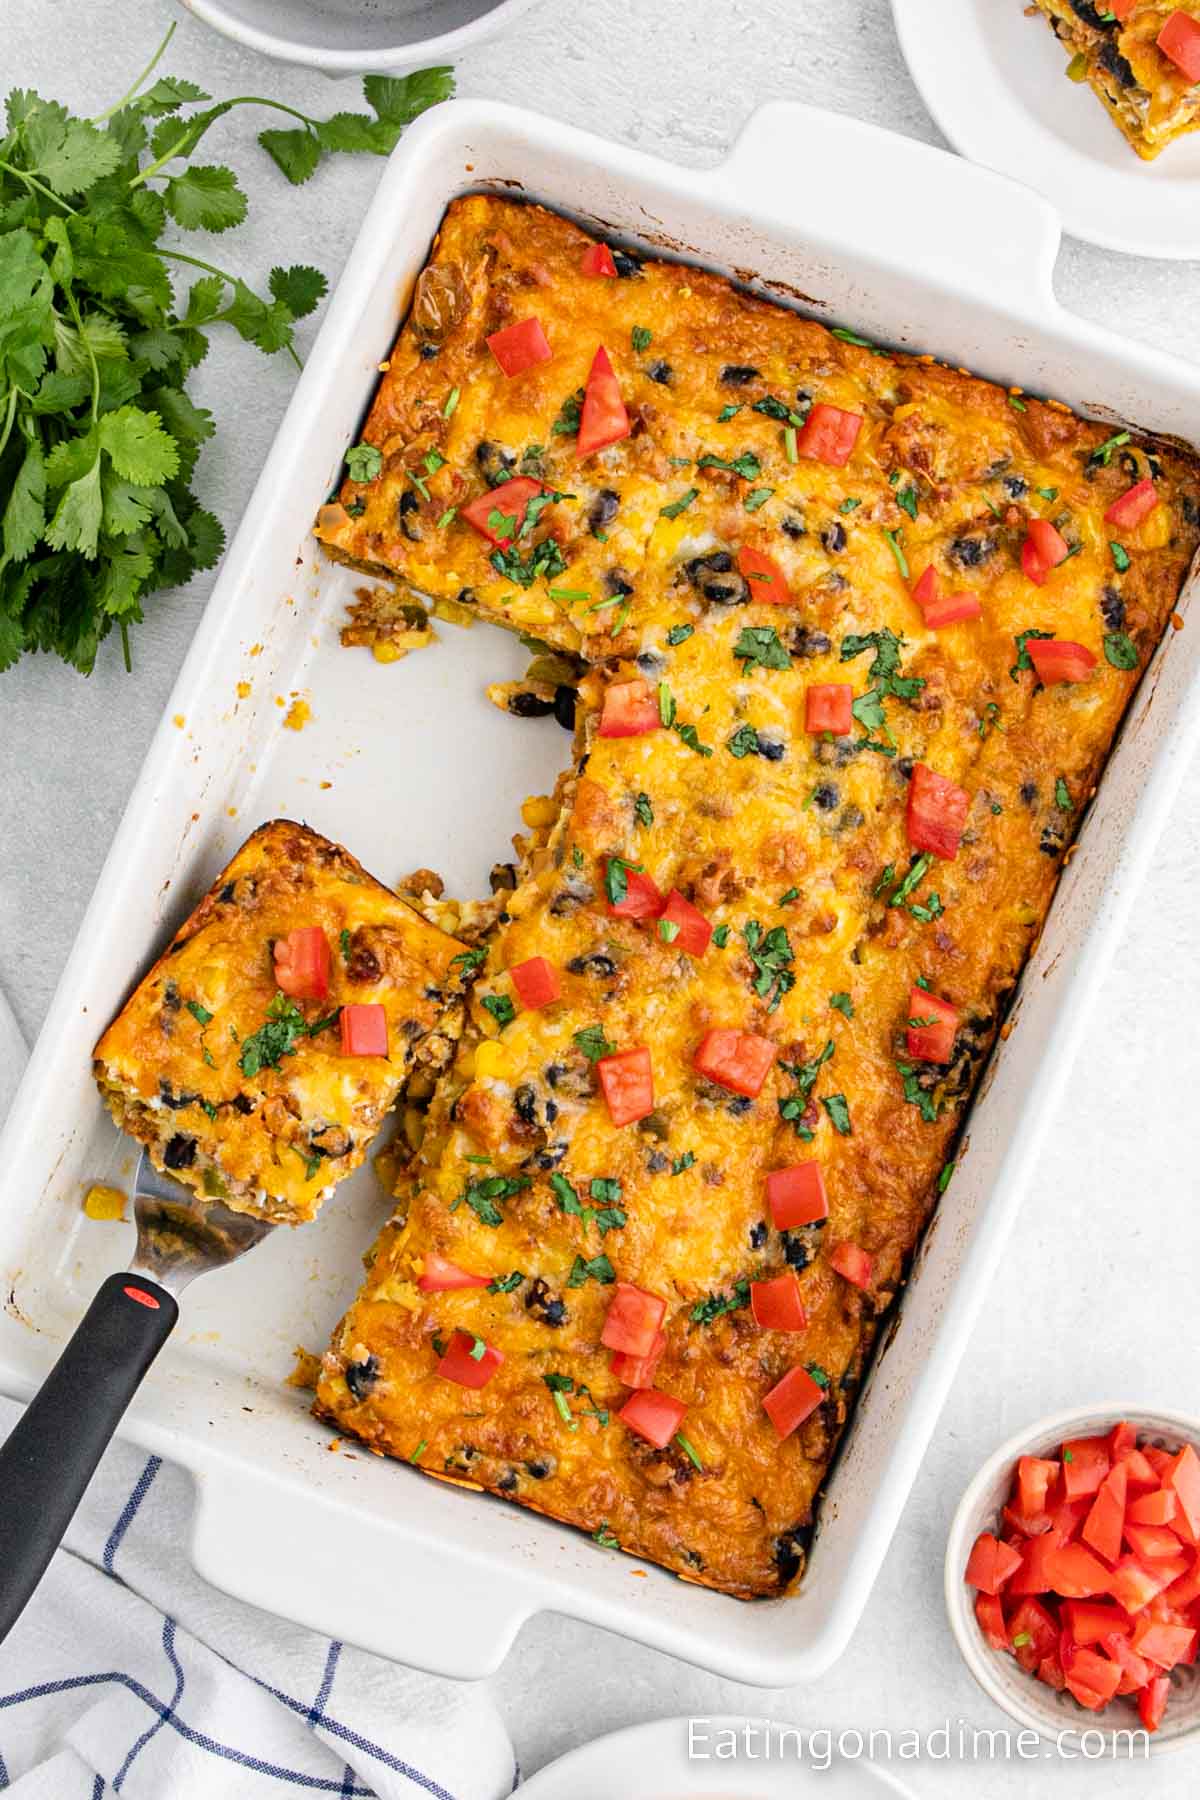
(681, 505)
(759, 646)
(200, 1013)
(1024, 660)
(592, 1041)
(500, 1007)
(1120, 650)
(643, 810)
(839, 1113)
(772, 957)
(842, 1003)
(679, 634)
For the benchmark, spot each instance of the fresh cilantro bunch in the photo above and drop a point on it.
(98, 436)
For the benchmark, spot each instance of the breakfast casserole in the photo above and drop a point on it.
(853, 632)
(1141, 57)
(258, 1057)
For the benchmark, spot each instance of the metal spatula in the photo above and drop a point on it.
(52, 1453)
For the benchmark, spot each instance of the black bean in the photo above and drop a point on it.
(1118, 66)
(808, 643)
(503, 877)
(793, 526)
(826, 796)
(507, 1482)
(465, 596)
(1015, 486)
(657, 1163)
(362, 1376)
(738, 1105)
(627, 266)
(564, 706)
(180, 1152)
(170, 1098)
(409, 504)
(242, 1103)
(851, 818)
(617, 584)
(546, 1305)
(796, 1253)
(969, 552)
(758, 1234)
(1087, 11)
(660, 371)
(548, 1158)
(540, 1468)
(495, 462)
(651, 663)
(524, 705)
(550, 1111)
(597, 964)
(1112, 609)
(428, 351)
(904, 767)
(525, 1104)
(834, 537)
(1189, 506)
(771, 748)
(603, 509)
(716, 580)
(788, 1556)
(227, 892)
(172, 1000)
(738, 374)
(1052, 841)
(1028, 792)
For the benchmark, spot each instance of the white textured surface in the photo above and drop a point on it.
(1082, 1308)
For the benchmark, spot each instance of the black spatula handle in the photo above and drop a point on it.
(52, 1451)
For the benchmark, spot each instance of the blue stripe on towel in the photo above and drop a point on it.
(130, 1511)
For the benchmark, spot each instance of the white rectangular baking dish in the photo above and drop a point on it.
(421, 771)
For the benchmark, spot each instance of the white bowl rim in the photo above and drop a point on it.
(977, 1654)
(356, 61)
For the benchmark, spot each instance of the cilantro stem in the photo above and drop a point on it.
(149, 69)
(224, 106)
(78, 318)
(33, 182)
(197, 262)
(8, 423)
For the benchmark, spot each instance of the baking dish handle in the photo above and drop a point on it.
(351, 1575)
(910, 202)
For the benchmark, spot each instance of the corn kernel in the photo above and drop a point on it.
(538, 810)
(104, 1202)
(386, 652)
(490, 1059)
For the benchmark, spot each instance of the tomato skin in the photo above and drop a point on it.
(511, 498)
(1031, 1620)
(303, 963)
(792, 1400)
(953, 609)
(936, 814)
(364, 1030)
(828, 707)
(630, 710)
(638, 1371)
(1179, 40)
(641, 899)
(1135, 1670)
(627, 1083)
(990, 1614)
(1183, 1479)
(695, 932)
(776, 1304)
(1151, 1543)
(1033, 1577)
(441, 1276)
(1092, 1678)
(460, 1366)
(1075, 1573)
(796, 1195)
(737, 1060)
(991, 1563)
(1157, 1508)
(829, 435)
(1085, 1464)
(928, 587)
(1122, 1440)
(933, 1042)
(1032, 566)
(597, 259)
(1134, 505)
(634, 1319)
(1035, 1477)
(1186, 1589)
(603, 419)
(1152, 1702)
(852, 1264)
(1104, 1524)
(1140, 1471)
(537, 983)
(654, 1416)
(1133, 1586)
(1050, 1670)
(1090, 1621)
(1163, 1644)
(1049, 545)
(519, 347)
(1057, 659)
(764, 576)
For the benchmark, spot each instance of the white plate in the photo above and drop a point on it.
(651, 1762)
(996, 83)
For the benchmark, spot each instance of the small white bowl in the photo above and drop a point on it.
(1023, 1696)
(354, 37)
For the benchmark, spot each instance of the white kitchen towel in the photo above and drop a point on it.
(127, 1674)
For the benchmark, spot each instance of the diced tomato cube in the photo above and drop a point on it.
(737, 1060)
(1092, 1678)
(990, 1615)
(1066, 1519)
(1075, 1573)
(537, 983)
(1032, 566)
(937, 812)
(931, 1037)
(630, 710)
(1121, 9)
(1160, 1460)
(1049, 544)
(1179, 40)
(654, 1416)
(638, 1371)
(852, 1264)
(633, 1321)
(991, 1563)
(1186, 1590)
(1152, 1702)
(441, 1276)
(829, 435)
(1033, 1577)
(1050, 1670)
(1135, 1670)
(499, 513)
(519, 347)
(1089, 1621)
(641, 899)
(1103, 1526)
(1150, 1543)
(1084, 1466)
(603, 419)
(627, 1083)
(303, 963)
(1033, 1634)
(1156, 1508)
(1163, 1644)
(693, 932)
(764, 576)
(1026, 1525)
(1121, 1440)
(1135, 504)
(953, 609)
(1057, 659)
(1133, 1585)
(1140, 1471)
(1182, 1477)
(828, 707)
(776, 1304)
(791, 1400)
(1035, 1477)
(469, 1361)
(796, 1196)
(364, 1030)
(928, 587)
(597, 259)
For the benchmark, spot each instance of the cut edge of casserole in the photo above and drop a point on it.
(1146, 95)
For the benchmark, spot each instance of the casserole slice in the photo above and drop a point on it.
(258, 1057)
(1142, 60)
